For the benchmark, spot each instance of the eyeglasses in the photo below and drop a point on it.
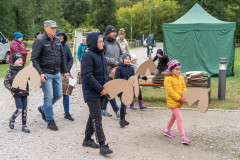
(101, 42)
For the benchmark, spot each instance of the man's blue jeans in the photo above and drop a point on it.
(66, 104)
(52, 90)
(112, 102)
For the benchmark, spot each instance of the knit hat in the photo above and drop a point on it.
(18, 35)
(109, 29)
(133, 56)
(125, 55)
(159, 51)
(15, 56)
(172, 64)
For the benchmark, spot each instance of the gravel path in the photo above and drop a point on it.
(214, 135)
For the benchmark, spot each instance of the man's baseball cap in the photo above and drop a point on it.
(50, 23)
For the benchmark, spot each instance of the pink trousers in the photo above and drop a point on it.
(176, 115)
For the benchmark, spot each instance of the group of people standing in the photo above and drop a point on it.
(100, 55)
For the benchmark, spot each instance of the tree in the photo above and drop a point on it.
(165, 12)
(75, 11)
(104, 13)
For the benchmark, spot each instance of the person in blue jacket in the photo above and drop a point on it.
(150, 42)
(94, 76)
(69, 61)
(124, 71)
(82, 49)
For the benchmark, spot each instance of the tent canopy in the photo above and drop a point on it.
(198, 39)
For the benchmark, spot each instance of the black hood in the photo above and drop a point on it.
(59, 31)
(92, 40)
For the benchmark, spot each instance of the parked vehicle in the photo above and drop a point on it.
(4, 49)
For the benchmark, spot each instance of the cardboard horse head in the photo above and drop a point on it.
(198, 94)
(148, 64)
(127, 87)
(24, 75)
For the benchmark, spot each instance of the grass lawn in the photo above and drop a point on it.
(156, 97)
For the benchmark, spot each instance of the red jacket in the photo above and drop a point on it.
(17, 46)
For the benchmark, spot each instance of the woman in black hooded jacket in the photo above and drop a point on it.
(94, 76)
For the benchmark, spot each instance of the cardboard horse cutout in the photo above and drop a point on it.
(148, 64)
(24, 75)
(198, 94)
(127, 87)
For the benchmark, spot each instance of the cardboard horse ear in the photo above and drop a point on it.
(26, 73)
(195, 94)
(134, 80)
(126, 87)
(148, 64)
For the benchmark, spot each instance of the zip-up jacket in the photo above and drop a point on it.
(48, 56)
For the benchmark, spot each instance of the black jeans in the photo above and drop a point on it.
(94, 123)
(122, 109)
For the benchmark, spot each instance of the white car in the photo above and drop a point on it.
(145, 43)
(4, 49)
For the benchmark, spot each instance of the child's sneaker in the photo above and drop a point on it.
(126, 122)
(118, 114)
(104, 150)
(11, 123)
(25, 129)
(168, 133)
(105, 113)
(122, 123)
(185, 140)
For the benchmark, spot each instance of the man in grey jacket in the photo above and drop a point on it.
(113, 54)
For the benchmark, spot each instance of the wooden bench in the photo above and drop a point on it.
(208, 85)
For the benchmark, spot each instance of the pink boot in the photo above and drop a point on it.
(140, 102)
(132, 106)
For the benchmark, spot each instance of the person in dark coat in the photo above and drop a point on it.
(150, 43)
(69, 61)
(124, 71)
(20, 96)
(49, 60)
(162, 61)
(94, 76)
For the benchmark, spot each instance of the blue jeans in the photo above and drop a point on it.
(52, 90)
(112, 102)
(66, 104)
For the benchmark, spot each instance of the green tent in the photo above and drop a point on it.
(197, 40)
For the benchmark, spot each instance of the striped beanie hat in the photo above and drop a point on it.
(172, 64)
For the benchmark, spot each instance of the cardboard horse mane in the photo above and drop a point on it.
(148, 64)
(27, 73)
(198, 94)
(128, 88)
